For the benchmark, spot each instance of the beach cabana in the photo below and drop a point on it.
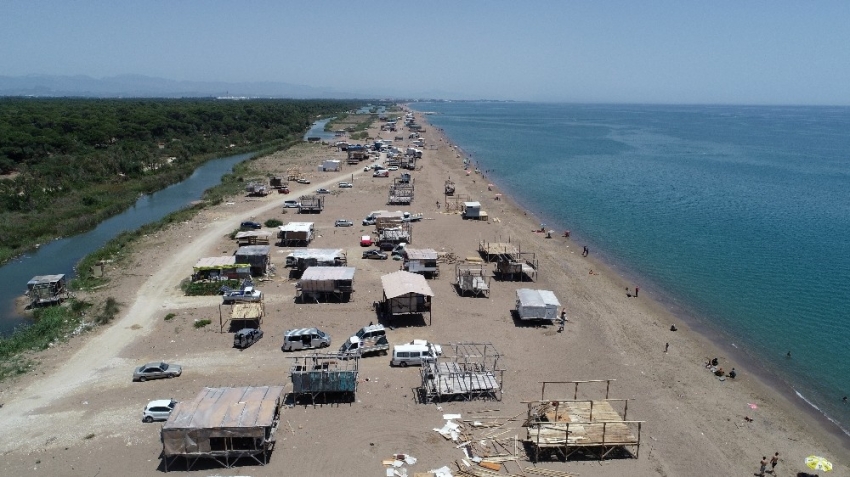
(223, 267)
(406, 293)
(326, 282)
(256, 256)
(295, 234)
(253, 237)
(241, 315)
(223, 424)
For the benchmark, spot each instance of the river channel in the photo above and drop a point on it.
(60, 256)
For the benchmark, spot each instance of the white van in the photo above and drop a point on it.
(415, 353)
(305, 338)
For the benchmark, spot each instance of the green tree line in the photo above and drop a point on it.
(67, 164)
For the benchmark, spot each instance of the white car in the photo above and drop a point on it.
(345, 185)
(158, 410)
(392, 168)
(291, 204)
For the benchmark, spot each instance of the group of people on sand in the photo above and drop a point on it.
(714, 365)
(763, 465)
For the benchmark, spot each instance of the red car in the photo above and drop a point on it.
(366, 241)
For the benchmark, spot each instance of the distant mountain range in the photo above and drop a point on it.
(139, 86)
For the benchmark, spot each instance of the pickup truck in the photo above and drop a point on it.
(247, 294)
(408, 217)
(370, 339)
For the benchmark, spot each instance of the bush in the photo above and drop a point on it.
(272, 223)
(202, 323)
(169, 316)
(108, 312)
(209, 288)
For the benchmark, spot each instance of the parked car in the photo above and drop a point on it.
(365, 240)
(250, 225)
(246, 337)
(322, 191)
(343, 223)
(345, 185)
(302, 181)
(158, 410)
(243, 295)
(375, 254)
(381, 173)
(366, 169)
(305, 338)
(392, 168)
(156, 371)
(288, 204)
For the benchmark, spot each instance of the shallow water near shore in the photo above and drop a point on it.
(739, 215)
(61, 256)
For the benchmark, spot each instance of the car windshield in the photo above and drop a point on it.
(321, 333)
(163, 366)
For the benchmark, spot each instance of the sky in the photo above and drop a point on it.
(695, 52)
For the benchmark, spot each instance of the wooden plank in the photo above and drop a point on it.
(491, 465)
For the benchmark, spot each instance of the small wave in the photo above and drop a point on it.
(837, 424)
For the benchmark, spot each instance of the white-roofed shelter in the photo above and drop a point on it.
(406, 293)
(296, 234)
(536, 304)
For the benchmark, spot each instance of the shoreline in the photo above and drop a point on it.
(703, 328)
(81, 401)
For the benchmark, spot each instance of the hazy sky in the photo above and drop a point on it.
(590, 51)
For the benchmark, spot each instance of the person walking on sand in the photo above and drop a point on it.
(563, 319)
(762, 466)
(773, 461)
(637, 289)
(666, 347)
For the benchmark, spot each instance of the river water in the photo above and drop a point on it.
(60, 256)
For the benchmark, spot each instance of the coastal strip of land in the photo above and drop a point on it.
(80, 414)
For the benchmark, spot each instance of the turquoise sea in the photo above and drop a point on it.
(738, 217)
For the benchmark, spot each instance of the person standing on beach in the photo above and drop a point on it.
(763, 466)
(637, 289)
(773, 461)
(563, 319)
(666, 347)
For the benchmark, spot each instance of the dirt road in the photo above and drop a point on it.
(97, 364)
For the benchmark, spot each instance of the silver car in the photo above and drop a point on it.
(157, 371)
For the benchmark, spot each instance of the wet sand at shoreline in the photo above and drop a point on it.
(694, 423)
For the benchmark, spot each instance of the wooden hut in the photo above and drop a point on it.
(47, 290)
(324, 377)
(256, 256)
(406, 293)
(323, 283)
(223, 267)
(225, 425)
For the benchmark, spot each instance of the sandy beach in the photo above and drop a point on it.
(80, 414)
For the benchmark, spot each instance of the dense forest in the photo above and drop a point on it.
(66, 164)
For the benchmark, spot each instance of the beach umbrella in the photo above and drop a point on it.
(818, 463)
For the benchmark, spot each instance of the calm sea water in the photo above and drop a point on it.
(739, 215)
